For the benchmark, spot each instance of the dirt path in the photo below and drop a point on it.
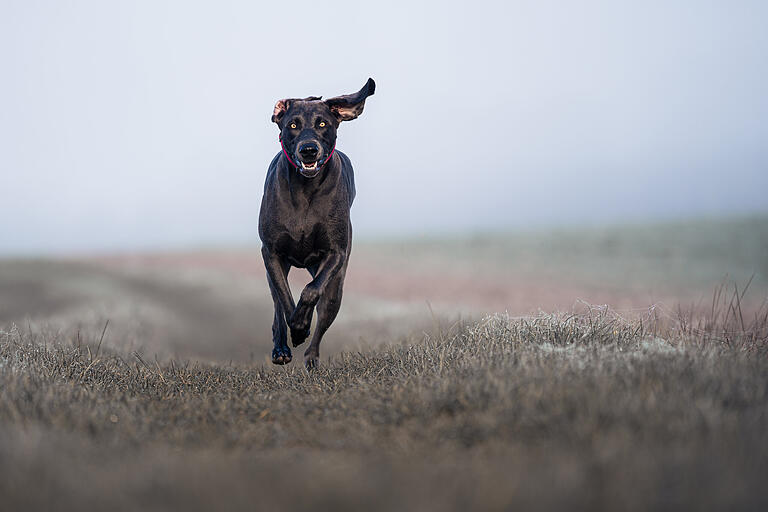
(448, 290)
(182, 308)
(215, 305)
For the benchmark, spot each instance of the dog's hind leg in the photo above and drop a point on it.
(327, 309)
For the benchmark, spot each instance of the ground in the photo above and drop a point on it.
(579, 368)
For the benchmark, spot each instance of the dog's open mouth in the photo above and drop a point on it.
(309, 170)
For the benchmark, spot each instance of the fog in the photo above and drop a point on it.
(145, 125)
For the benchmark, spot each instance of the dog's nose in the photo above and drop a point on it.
(309, 151)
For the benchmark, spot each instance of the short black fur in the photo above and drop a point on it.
(304, 220)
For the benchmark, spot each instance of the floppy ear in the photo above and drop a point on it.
(282, 106)
(350, 106)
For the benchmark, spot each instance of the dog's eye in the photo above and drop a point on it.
(293, 126)
(322, 124)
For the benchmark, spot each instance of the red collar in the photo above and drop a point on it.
(282, 146)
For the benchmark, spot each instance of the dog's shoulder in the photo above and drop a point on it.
(272, 170)
(348, 175)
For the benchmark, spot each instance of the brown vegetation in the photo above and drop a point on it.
(651, 407)
(584, 411)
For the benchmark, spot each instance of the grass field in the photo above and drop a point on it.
(633, 389)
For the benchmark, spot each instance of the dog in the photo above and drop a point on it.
(304, 219)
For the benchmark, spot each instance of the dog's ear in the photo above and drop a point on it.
(282, 106)
(350, 106)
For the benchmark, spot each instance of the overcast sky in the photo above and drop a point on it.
(132, 125)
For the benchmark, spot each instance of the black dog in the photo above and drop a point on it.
(304, 220)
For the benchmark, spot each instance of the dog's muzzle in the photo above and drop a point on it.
(308, 159)
(307, 162)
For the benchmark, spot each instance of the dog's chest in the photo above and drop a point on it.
(302, 243)
(305, 224)
(309, 231)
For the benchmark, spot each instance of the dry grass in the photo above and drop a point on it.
(586, 411)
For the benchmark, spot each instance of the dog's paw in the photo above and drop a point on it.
(299, 324)
(281, 355)
(310, 361)
(299, 336)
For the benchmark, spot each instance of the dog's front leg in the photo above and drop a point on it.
(301, 318)
(277, 274)
(277, 277)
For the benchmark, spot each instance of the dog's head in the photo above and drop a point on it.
(308, 126)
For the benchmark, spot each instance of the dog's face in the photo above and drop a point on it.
(308, 126)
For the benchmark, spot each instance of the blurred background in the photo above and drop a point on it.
(516, 156)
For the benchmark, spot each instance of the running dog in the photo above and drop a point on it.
(304, 220)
